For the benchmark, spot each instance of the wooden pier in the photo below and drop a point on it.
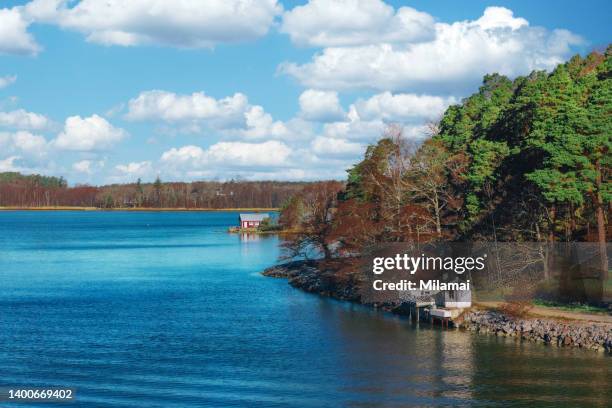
(418, 310)
(433, 307)
(427, 312)
(441, 315)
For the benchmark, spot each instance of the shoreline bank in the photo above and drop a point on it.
(135, 209)
(596, 336)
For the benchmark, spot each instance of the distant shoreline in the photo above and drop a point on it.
(145, 209)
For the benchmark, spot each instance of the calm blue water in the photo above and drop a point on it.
(168, 310)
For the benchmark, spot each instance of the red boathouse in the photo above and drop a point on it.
(252, 220)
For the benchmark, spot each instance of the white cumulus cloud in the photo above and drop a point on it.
(171, 107)
(271, 160)
(8, 164)
(355, 129)
(83, 166)
(24, 151)
(136, 169)
(500, 17)
(30, 143)
(88, 134)
(327, 146)
(331, 23)
(453, 61)
(402, 107)
(14, 36)
(270, 153)
(197, 112)
(21, 119)
(23, 142)
(230, 155)
(180, 23)
(366, 122)
(7, 80)
(320, 106)
(260, 124)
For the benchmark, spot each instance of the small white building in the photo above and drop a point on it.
(454, 299)
(448, 299)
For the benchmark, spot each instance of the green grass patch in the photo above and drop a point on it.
(570, 307)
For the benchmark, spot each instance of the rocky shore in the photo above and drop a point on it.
(593, 336)
(312, 277)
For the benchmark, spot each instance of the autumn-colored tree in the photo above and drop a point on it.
(432, 172)
(292, 213)
(355, 226)
(313, 234)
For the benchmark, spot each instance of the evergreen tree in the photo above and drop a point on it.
(157, 185)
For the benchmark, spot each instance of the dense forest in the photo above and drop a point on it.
(43, 191)
(523, 160)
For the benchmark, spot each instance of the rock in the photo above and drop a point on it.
(585, 335)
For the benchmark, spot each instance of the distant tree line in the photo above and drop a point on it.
(526, 160)
(44, 191)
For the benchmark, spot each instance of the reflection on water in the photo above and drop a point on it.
(540, 374)
(246, 237)
(392, 361)
(168, 310)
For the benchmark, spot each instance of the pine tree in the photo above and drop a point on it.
(157, 185)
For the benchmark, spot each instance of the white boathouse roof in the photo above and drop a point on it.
(254, 217)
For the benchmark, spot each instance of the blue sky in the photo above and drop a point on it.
(109, 91)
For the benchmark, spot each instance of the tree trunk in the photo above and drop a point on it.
(550, 247)
(326, 252)
(601, 230)
(543, 253)
(601, 236)
(437, 213)
(551, 229)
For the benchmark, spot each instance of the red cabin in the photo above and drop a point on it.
(252, 220)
